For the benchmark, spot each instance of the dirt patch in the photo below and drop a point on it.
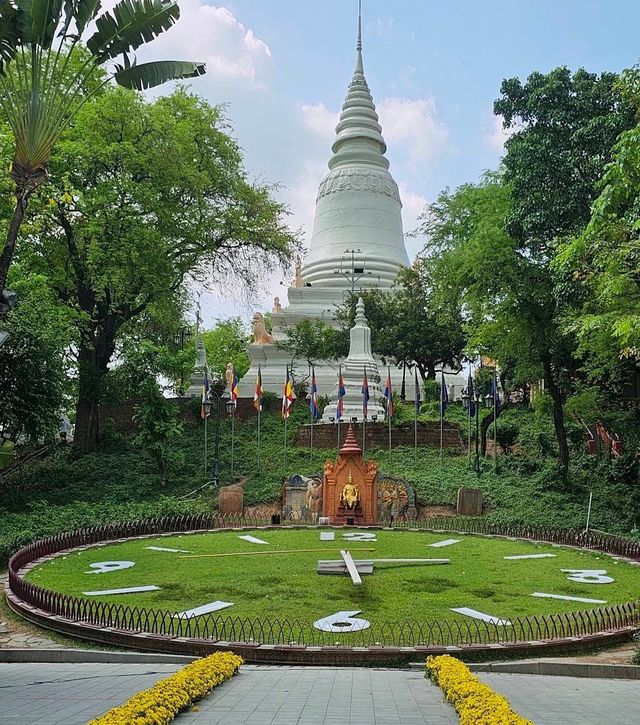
(431, 511)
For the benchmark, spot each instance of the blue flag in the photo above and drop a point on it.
(444, 397)
(313, 395)
(470, 393)
(494, 394)
(365, 394)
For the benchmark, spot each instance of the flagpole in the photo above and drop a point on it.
(206, 418)
(495, 419)
(233, 434)
(285, 440)
(441, 416)
(259, 411)
(415, 433)
(364, 436)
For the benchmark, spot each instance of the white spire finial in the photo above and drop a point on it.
(359, 41)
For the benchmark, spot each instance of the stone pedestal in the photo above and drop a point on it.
(349, 487)
(469, 502)
(231, 500)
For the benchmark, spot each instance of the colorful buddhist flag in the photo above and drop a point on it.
(341, 393)
(444, 396)
(418, 398)
(259, 392)
(365, 394)
(313, 395)
(288, 395)
(388, 394)
(205, 392)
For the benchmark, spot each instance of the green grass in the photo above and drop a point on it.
(287, 585)
(120, 482)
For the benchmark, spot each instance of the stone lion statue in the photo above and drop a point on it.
(260, 334)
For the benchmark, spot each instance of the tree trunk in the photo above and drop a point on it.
(558, 416)
(12, 235)
(27, 181)
(94, 356)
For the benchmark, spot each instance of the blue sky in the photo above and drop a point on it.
(434, 68)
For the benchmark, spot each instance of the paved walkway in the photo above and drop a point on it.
(36, 694)
(47, 694)
(323, 696)
(550, 700)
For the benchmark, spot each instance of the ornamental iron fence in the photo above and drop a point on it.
(276, 631)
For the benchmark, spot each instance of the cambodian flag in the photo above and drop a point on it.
(365, 395)
(418, 399)
(388, 394)
(341, 393)
(313, 395)
(494, 393)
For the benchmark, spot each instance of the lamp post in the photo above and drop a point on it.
(477, 399)
(218, 394)
(182, 335)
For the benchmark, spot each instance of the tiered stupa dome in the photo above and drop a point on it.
(358, 204)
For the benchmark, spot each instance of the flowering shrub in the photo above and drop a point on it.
(475, 703)
(161, 703)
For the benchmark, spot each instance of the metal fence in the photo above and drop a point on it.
(299, 632)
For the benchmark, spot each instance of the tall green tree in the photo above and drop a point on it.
(141, 197)
(43, 85)
(35, 362)
(566, 125)
(227, 342)
(409, 326)
(605, 261)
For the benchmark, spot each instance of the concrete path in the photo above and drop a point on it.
(550, 700)
(70, 694)
(65, 694)
(262, 695)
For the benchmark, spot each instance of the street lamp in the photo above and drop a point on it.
(477, 399)
(179, 339)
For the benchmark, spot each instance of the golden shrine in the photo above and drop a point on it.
(349, 486)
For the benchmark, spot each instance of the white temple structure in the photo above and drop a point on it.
(358, 360)
(357, 240)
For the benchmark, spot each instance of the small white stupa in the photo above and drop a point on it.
(359, 359)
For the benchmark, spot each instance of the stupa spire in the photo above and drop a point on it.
(358, 134)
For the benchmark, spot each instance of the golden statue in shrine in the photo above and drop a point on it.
(350, 496)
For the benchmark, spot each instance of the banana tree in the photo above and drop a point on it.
(41, 88)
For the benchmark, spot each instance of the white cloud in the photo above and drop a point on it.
(410, 126)
(301, 197)
(413, 127)
(497, 136)
(380, 26)
(319, 119)
(212, 34)
(412, 206)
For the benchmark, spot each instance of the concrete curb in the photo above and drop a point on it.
(557, 668)
(80, 656)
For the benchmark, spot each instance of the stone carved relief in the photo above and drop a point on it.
(396, 500)
(302, 498)
(357, 180)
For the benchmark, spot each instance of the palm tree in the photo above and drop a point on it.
(42, 87)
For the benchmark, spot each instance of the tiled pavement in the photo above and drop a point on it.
(323, 696)
(73, 694)
(55, 694)
(551, 700)
(66, 694)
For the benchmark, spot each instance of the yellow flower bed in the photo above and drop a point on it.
(475, 703)
(161, 703)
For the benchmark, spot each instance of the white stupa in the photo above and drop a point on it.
(358, 360)
(357, 241)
